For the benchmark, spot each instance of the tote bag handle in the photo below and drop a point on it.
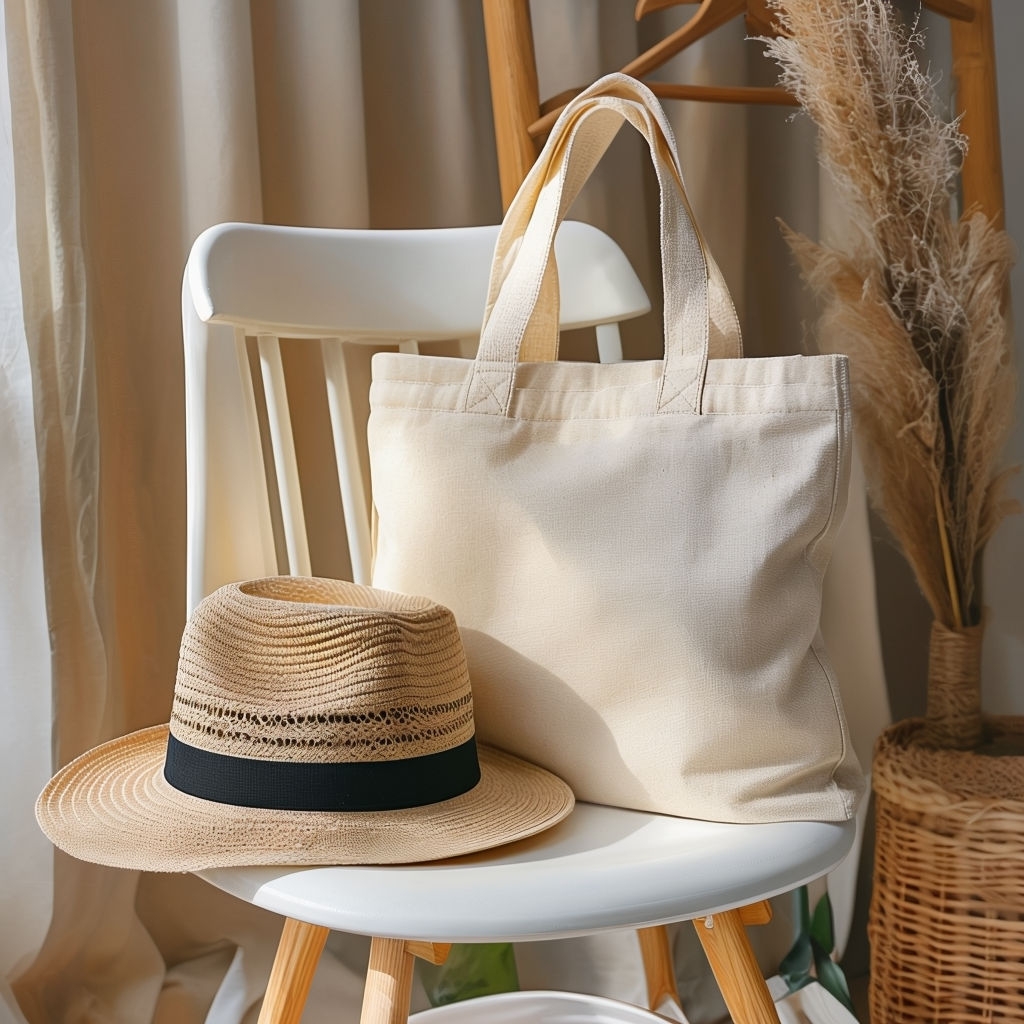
(540, 341)
(523, 266)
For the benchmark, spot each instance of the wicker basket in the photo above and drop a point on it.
(947, 912)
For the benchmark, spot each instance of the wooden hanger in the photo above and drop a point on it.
(522, 120)
(759, 11)
(955, 10)
(710, 15)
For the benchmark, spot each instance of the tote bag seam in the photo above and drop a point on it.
(615, 389)
(718, 385)
(770, 386)
(618, 417)
(841, 412)
(840, 454)
(713, 386)
(846, 801)
(728, 385)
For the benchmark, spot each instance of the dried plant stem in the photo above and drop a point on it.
(947, 560)
(915, 296)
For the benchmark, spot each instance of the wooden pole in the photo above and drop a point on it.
(974, 66)
(514, 93)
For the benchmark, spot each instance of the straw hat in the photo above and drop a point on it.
(314, 722)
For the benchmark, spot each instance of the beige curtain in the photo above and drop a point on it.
(136, 124)
(1003, 667)
(25, 894)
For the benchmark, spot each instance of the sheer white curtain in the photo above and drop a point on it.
(49, 628)
(25, 894)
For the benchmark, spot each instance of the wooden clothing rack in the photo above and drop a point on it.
(522, 119)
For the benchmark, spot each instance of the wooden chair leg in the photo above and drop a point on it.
(294, 965)
(736, 969)
(389, 978)
(656, 953)
(659, 969)
(388, 983)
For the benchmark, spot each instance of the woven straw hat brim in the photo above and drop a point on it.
(113, 806)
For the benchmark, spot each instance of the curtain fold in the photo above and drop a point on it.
(211, 106)
(309, 112)
(26, 897)
(135, 125)
(60, 359)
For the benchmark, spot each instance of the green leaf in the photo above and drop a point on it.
(477, 969)
(795, 968)
(831, 977)
(821, 924)
(798, 983)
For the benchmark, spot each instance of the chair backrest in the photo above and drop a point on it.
(265, 283)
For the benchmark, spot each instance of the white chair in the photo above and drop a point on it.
(268, 282)
(602, 868)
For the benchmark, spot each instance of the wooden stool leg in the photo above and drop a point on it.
(658, 967)
(388, 983)
(736, 969)
(389, 977)
(297, 955)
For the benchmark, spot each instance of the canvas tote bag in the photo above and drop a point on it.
(634, 552)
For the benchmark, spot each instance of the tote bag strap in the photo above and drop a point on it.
(523, 255)
(581, 136)
(540, 341)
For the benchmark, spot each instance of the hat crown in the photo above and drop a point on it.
(313, 670)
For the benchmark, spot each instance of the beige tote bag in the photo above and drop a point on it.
(634, 552)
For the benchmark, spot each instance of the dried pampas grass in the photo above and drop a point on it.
(917, 301)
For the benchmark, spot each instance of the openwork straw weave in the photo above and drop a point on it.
(302, 669)
(947, 913)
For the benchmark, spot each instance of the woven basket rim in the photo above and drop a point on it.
(914, 775)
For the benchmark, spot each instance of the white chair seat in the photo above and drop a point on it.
(649, 869)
